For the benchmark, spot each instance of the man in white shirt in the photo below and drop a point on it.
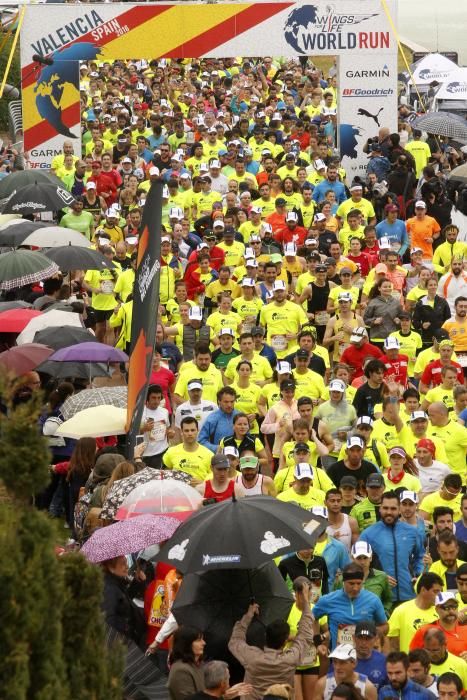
(453, 284)
(196, 406)
(155, 427)
(431, 472)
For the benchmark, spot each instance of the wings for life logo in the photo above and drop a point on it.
(310, 28)
(429, 74)
(456, 88)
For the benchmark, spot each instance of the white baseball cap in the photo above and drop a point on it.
(391, 343)
(361, 549)
(154, 171)
(90, 185)
(365, 420)
(279, 286)
(358, 334)
(226, 331)
(303, 470)
(344, 296)
(194, 384)
(195, 313)
(408, 496)
(256, 210)
(251, 262)
(337, 385)
(176, 213)
(420, 204)
(291, 216)
(230, 451)
(443, 597)
(283, 367)
(320, 217)
(355, 441)
(418, 415)
(214, 163)
(290, 249)
(320, 511)
(248, 282)
(344, 652)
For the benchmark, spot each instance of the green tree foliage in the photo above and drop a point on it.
(52, 635)
(13, 76)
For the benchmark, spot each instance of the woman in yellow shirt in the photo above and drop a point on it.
(402, 471)
(248, 394)
(248, 305)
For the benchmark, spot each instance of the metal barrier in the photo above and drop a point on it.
(15, 120)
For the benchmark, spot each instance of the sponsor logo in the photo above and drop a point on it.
(363, 92)
(428, 74)
(221, 559)
(178, 551)
(307, 28)
(271, 544)
(377, 73)
(454, 88)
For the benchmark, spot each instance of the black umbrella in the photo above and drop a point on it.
(213, 601)
(241, 534)
(70, 257)
(38, 197)
(14, 233)
(21, 178)
(57, 337)
(76, 370)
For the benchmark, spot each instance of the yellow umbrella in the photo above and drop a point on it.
(98, 421)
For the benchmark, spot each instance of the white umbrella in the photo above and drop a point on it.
(52, 318)
(94, 422)
(55, 236)
(6, 219)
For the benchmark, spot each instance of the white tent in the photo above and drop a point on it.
(432, 67)
(454, 87)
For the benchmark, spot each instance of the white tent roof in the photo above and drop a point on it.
(455, 86)
(434, 66)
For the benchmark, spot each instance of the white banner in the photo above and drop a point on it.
(367, 102)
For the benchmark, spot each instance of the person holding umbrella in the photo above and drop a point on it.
(274, 663)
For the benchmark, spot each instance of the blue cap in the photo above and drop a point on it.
(281, 105)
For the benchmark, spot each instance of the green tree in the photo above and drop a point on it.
(52, 642)
(13, 76)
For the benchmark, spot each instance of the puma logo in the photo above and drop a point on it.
(363, 113)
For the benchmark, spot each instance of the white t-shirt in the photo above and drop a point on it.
(200, 411)
(432, 477)
(156, 440)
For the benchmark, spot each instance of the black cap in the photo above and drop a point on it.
(302, 353)
(301, 446)
(287, 384)
(257, 330)
(220, 461)
(405, 315)
(365, 628)
(376, 480)
(321, 268)
(349, 481)
(330, 261)
(440, 334)
(281, 201)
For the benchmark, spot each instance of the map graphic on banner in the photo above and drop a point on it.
(349, 29)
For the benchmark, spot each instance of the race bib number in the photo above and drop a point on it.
(279, 342)
(345, 634)
(462, 359)
(107, 287)
(310, 657)
(159, 431)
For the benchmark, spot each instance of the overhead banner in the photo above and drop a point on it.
(144, 317)
(67, 33)
(367, 101)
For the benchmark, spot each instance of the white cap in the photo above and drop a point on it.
(365, 420)
(218, 223)
(443, 597)
(320, 217)
(126, 160)
(166, 239)
(251, 262)
(113, 119)
(303, 471)
(415, 250)
(320, 511)
(90, 185)
(226, 331)
(290, 249)
(214, 163)
(418, 415)
(344, 652)
(202, 246)
(131, 240)
(420, 204)
(277, 116)
(195, 313)
(355, 187)
(266, 227)
(279, 286)
(256, 210)
(361, 549)
(194, 384)
(283, 367)
(248, 282)
(177, 157)
(165, 192)
(185, 176)
(176, 213)
(344, 296)
(291, 216)
(204, 168)
(408, 496)
(319, 164)
(255, 238)
(111, 212)
(391, 343)
(384, 243)
(337, 385)
(154, 171)
(230, 451)
(358, 334)
(355, 441)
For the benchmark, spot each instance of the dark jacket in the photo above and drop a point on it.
(119, 610)
(292, 567)
(435, 315)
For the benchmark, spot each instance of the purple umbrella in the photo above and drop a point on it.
(89, 352)
(128, 536)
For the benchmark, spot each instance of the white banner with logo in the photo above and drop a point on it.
(367, 102)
